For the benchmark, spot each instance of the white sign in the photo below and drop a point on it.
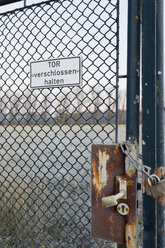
(55, 72)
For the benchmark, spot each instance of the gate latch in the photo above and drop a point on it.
(112, 200)
(114, 194)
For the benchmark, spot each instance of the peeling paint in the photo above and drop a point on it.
(136, 99)
(131, 223)
(161, 174)
(138, 72)
(100, 178)
(130, 169)
(131, 239)
(116, 150)
(108, 165)
(161, 199)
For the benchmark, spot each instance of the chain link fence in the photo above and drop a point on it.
(46, 134)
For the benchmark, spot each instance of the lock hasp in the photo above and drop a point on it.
(108, 170)
(107, 163)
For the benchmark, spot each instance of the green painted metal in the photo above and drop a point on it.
(133, 71)
(149, 112)
(133, 89)
(160, 116)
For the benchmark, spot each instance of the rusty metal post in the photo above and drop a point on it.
(160, 119)
(131, 231)
(149, 112)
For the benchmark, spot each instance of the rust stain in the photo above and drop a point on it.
(111, 228)
(161, 174)
(161, 199)
(131, 172)
(107, 164)
(100, 177)
(112, 231)
(112, 166)
(111, 219)
(116, 149)
(130, 169)
(131, 238)
(137, 97)
(130, 183)
(146, 188)
(131, 220)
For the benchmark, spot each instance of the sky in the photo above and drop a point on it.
(84, 35)
(122, 36)
(123, 26)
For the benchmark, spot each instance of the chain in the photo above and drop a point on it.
(138, 165)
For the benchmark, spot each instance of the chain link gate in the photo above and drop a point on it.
(46, 134)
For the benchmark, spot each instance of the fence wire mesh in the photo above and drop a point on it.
(46, 134)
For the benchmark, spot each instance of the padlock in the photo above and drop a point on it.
(158, 189)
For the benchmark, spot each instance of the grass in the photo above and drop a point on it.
(31, 216)
(43, 212)
(24, 213)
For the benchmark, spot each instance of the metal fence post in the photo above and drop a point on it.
(149, 112)
(160, 119)
(133, 71)
(133, 86)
